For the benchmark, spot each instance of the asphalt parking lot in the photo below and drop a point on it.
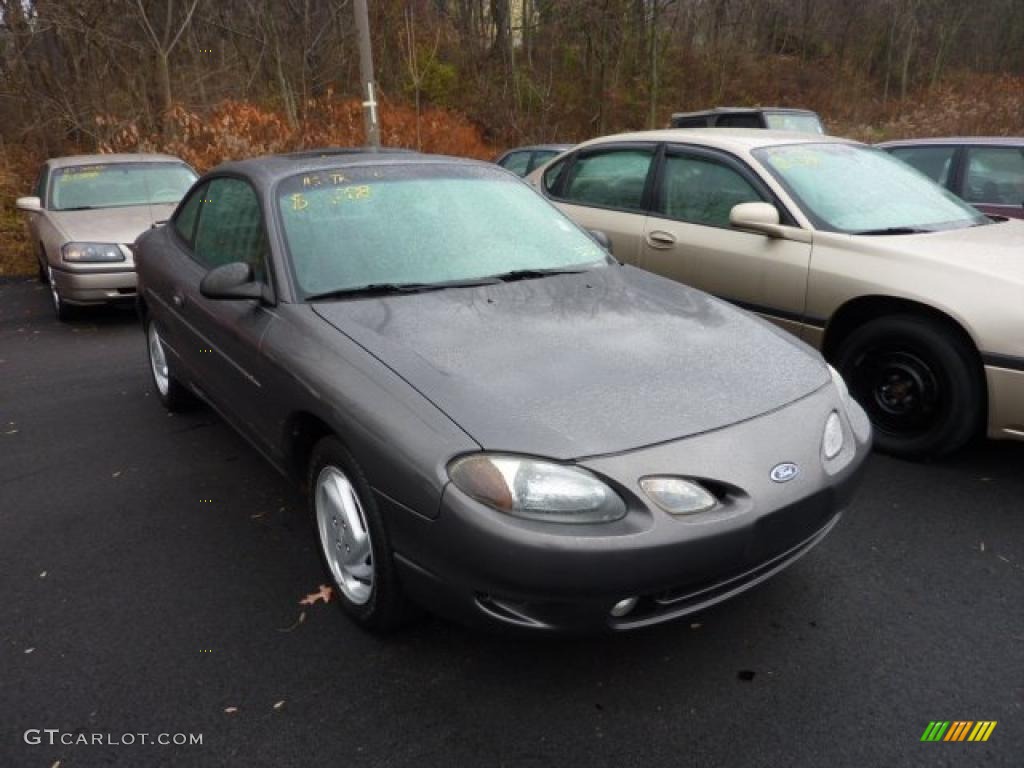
(151, 568)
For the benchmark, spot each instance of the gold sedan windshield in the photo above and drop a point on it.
(858, 190)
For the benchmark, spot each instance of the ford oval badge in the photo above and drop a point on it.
(783, 473)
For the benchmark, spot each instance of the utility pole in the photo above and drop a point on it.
(366, 75)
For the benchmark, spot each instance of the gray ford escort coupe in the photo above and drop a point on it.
(492, 417)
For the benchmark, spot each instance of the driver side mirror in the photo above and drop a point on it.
(231, 281)
(763, 218)
(30, 204)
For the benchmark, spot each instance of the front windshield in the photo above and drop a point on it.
(421, 224)
(113, 185)
(856, 189)
(793, 121)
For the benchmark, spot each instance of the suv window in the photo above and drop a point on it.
(933, 162)
(41, 185)
(611, 178)
(995, 175)
(702, 191)
(739, 121)
(185, 218)
(230, 227)
(517, 162)
(690, 122)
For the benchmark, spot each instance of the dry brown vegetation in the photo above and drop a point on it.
(211, 80)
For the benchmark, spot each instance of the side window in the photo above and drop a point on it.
(610, 179)
(690, 122)
(739, 121)
(517, 162)
(230, 227)
(702, 191)
(551, 176)
(185, 217)
(540, 157)
(934, 162)
(995, 175)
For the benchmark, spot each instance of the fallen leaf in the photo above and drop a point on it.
(696, 625)
(116, 474)
(279, 704)
(11, 432)
(42, 575)
(982, 547)
(29, 650)
(257, 517)
(230, 710)
(56, 765)
(324, 594)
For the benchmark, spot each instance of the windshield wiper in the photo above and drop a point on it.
(384, 289)
(894, 231)
(529, 274)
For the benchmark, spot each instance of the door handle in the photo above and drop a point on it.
(661, 239)
(178, 300)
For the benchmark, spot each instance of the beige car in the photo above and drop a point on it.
(86, 212)
(916, 297)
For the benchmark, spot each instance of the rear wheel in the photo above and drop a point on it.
(354, 542)
(919, 382)
(172, 393)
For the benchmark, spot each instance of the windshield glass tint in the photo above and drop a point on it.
(791, 121)
(850, 188)
(113, 185)
(421, 224)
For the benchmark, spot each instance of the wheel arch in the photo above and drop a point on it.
(862, 309)
(303, 430)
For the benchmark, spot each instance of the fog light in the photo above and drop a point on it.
(623, 607)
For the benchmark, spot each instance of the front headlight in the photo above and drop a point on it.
(832, 442)
(536, 490)
(92, 252)
(678, 496)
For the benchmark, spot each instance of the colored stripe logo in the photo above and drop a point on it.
(958, 730)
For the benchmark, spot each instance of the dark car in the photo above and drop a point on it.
(490, 415)
(772, 118)
(522, 160)
(988, 173)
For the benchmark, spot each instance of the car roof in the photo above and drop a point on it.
(742, 110)
(1011, 141)
(731, 139)
(270, 168)
(122, 157)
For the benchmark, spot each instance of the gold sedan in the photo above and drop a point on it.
(916, 297)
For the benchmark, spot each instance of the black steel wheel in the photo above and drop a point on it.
(919, 382)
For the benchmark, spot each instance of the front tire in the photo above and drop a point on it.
(919, 382)
(172, 393)
(64, 311)
(354, 543)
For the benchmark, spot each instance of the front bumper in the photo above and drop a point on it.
(1005, 402)
(95, 286)
(483, 567)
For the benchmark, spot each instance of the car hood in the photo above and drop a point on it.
(995, 250)
(109, 225)
(581, 365)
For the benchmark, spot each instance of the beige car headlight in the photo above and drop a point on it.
(91, 253)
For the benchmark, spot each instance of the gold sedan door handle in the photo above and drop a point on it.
(661, 239)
